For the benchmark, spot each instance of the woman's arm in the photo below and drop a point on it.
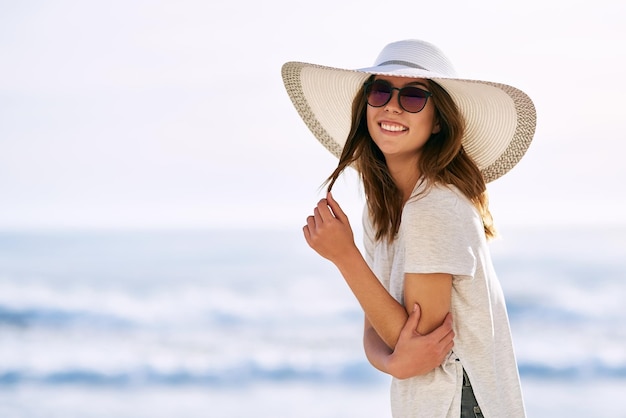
(329, 233)
(432, 292)
(414, 354)
(394, 341)
(427, 336)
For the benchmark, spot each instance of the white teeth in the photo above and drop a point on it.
(392, 128)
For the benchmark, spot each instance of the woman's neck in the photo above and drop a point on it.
(405, 174)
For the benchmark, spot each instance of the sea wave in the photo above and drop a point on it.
(355, 373)
(57, 318)
(216, 310)
(352, 373)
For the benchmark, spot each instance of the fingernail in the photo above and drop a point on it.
(415, 307)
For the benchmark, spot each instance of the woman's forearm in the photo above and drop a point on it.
(385, 314)
(414, 354)
(376, 350)
(329, 233)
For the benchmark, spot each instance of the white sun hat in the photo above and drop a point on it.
(499, 119)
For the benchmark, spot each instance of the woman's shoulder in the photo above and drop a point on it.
(440, 208)
(436, 194)
(439, 203)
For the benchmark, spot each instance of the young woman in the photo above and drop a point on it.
(424, 143)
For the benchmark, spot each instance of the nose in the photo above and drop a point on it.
(393, 105)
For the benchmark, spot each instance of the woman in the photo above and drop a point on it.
(424, 143)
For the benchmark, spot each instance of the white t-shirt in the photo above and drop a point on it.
(441, 232)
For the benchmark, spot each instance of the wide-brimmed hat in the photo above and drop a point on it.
(499, 119)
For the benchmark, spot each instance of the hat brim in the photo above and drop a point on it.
(500, 119)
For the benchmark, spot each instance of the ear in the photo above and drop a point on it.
(436, 127)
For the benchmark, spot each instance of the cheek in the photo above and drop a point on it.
(430, 120)
(369, 117)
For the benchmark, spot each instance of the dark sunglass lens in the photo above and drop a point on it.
(379, 93)
(413, 99)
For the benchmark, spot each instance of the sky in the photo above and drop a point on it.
(167, 114)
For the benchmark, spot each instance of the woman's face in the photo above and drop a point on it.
(398, 133)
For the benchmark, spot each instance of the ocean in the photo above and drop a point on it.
(233, 323)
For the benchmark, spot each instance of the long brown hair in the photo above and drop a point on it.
(443, 160)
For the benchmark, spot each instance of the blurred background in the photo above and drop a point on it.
(154, 178)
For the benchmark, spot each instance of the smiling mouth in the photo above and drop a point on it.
(392, 127)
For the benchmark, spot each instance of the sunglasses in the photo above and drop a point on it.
(411, 99)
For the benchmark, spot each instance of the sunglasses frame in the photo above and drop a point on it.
(367, 84)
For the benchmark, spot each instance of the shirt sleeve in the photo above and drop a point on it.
(438, 229)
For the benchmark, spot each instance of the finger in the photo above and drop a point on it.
(334, 206)
(309, 230)
(413, 319)
(323, 211)
(444, 329)
(310, 225)
(448, 338)
(317, 216)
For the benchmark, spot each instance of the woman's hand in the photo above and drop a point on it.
(416, 354)
(328, 231)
